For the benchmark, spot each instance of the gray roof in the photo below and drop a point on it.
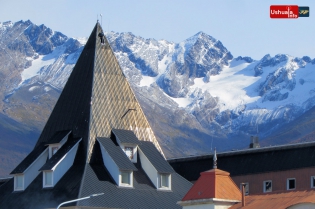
(116, 153)
(155, 157)
(36, 197)
(36, 152)
(249, 161)
(126, 136)
(59, 154)
(142, 195)
(58, 136)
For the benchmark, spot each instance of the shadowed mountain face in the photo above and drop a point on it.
(195, 95)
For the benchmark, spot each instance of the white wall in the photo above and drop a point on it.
(110, 165)
(64, 164)
(204, 206)
(32, 171)
(209, 206)
(149, 168)
(303, 206)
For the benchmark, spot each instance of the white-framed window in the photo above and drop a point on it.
(246, 188)
(48, 179)
(129, 152)
(291, 183)
(19, 182)
(267, 186)
(312, 181)
(125, 178)
(53, 149)
(164, 181)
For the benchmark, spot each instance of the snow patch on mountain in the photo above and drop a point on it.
(230, 85)
(35, 68)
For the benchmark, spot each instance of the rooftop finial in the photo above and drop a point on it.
(215, 158)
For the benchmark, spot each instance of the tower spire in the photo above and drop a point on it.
(96, 97)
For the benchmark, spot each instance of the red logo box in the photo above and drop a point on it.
(284, 11)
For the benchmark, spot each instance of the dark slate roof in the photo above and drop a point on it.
(249, 161)
(126, 136)
(72, 110)
(30, 158)
(59, 154)
(58, 136)
(4, 180)
(36, 197)
(155, 157)
(116, 153)
(142, 195)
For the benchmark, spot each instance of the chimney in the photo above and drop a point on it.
(254, 142)
(243, 194)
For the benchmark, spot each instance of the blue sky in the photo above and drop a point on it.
(244, 27)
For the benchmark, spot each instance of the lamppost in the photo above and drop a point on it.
(82, 198)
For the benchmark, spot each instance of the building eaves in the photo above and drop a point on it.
(157, 160)
(249, 162)
(126, 136)
(244, 151)
(50, 164)
(37, 151)
(116, 153)
(280, 200)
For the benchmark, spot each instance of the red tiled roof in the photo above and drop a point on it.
(214, 183)
(279, 200)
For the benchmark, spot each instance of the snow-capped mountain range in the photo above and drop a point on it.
(195, 94)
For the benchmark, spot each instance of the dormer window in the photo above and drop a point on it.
(53, 148)
(164, 181)
(48, 178)
(129, 152)
(126, 178)
(18, 182)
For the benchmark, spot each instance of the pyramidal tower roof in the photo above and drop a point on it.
(96, 99)
(96, 141)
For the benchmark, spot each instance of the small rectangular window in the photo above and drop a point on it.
(290, 184)
(164, 181)
(19, 182)
(268, 186)
(53, 150)
(129, 152)
(125, 177)
(48, 178)
(246, 188)
(312, 181)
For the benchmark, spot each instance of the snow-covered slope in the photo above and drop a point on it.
(195, 88)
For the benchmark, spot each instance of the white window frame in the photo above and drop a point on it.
(15, 182)
(288, 179)
(133, 152)
(264, 186)
(246, 184)
(51, 149)
(312, 181)
(130, 173)
(44, 179)
(169, 181)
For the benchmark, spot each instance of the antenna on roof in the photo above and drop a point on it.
(97, 18)
(101, 20)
